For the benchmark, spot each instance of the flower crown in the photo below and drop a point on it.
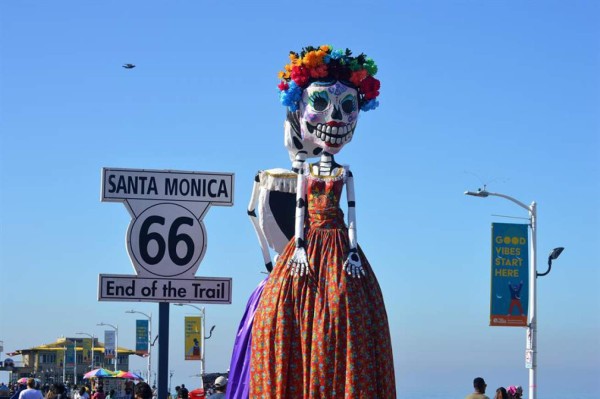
(324, 63)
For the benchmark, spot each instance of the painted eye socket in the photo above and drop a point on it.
(319, 100)
(349, 104)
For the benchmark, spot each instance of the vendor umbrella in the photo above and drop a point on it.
(128, 375)
(23, 380)
(98, 373)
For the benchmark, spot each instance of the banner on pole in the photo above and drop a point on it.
(510, 275)
(86, 349)
(193, 338)
(70, 354)
(141, 337)
(109, 344)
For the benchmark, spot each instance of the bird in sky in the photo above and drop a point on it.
(129, 66)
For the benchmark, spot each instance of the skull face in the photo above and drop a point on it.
(328, 115)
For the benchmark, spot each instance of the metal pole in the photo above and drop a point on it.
(64, 364)
(116, 328)
(163, 349)
(202, 311)
(202, 364)
(75, 362)
(149, 340)
(92, 338)
(531, 336)
(116, 347)
(149, 347)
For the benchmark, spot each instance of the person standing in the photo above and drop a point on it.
(220, 388)
(20, 388)
(479, 385)
(142, 391)
(31, 392)
(57, 391)
(99, 394)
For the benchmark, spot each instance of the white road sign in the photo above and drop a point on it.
(166, 238)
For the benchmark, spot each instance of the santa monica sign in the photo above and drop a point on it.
(166, 239)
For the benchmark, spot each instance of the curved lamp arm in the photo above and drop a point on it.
(553, 255)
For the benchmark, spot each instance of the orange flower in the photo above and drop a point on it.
(313, 59)
(325, 48)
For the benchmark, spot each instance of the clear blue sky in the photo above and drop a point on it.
(503, 93)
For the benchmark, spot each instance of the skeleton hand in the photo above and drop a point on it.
(353, 265)
(299, 262)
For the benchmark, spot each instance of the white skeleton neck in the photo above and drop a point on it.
(326, 165)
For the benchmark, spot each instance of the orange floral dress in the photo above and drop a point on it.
(324, 335)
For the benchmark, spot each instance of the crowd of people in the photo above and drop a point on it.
(32, 389)
(512, 392)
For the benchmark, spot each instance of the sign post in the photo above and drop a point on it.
(166, 241)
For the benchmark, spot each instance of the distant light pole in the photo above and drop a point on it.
(92, 337)
(64, 370)
(116, 341)
(531, 338)
(170, 379)
(149, 339)
(203, 315)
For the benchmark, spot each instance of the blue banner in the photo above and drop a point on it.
(70, 345)
(510, 275)
(141, 337)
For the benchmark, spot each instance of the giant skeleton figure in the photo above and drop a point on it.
(318, 326)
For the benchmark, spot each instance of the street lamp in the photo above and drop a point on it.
(553, 256)
(203, 315)
(116, 341)
(531, 338)
(149, 339)
(92, 337)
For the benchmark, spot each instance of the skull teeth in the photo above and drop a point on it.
(332, 134)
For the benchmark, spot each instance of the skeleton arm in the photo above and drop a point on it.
(353, 264)
(259, 233)
(299, 262)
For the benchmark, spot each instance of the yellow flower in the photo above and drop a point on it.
(295, 60)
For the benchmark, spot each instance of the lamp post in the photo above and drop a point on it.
(92, 338)
(64, 365)
(149, 317)
(116, 341)
(203, 315)
(531, 337)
